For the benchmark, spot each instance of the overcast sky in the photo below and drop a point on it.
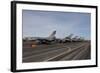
(43, 23)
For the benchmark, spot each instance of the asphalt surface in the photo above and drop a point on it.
(57, 52)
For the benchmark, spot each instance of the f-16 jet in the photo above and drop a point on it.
(75, 39)
(80, 39)
(67, 39)
(43, 40)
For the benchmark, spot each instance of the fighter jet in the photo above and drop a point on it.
(43, 40)
(80, 39)
(67, 39)
(74, 39)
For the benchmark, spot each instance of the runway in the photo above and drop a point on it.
(57, 52)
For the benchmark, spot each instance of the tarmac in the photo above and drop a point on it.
(57, 52)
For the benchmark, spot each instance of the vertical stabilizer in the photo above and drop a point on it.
(53, 34)
(70, 35)
(75, 37)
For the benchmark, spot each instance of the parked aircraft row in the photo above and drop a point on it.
(52, 39)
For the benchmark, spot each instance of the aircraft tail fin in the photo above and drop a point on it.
(53, 34)
(70, 35)
(75, 37)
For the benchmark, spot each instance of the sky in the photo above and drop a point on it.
(43, 23)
